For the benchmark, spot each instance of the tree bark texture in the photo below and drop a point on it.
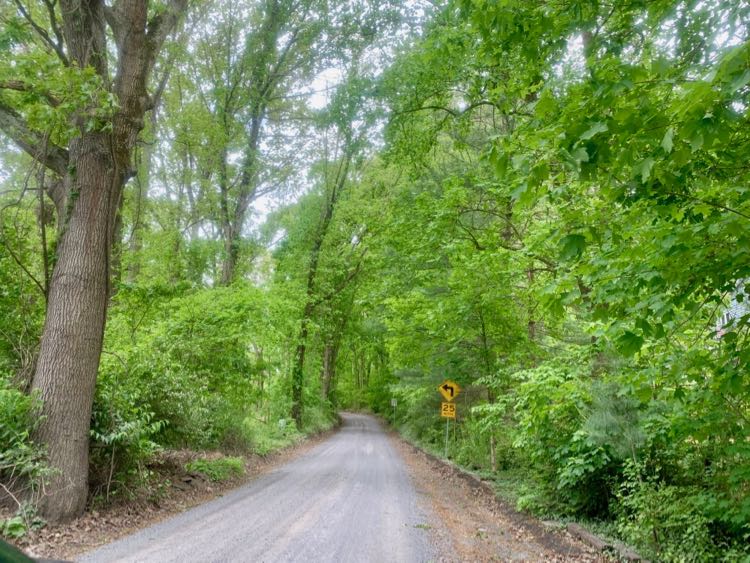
(72, 338)
(93, 170)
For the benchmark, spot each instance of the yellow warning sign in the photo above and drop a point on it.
(448, 410)
(449, 390)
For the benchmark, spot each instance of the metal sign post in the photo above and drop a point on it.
(447, 422)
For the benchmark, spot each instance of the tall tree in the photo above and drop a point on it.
(92, 170)
(248, 67)
(347, 121)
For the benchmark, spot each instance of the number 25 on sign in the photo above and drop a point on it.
(448, 410)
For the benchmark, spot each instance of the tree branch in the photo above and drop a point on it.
(21, 265)
(342, 284)
(163, 23)
(31, 142)
(57, 47)
(50, 5)
(21, 86)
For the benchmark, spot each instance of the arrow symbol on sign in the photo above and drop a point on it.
(449, 390)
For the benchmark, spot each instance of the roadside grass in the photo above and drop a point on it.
(268, 437)
(264, 438)
(219, 469)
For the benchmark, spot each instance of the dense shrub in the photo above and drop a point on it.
(22, 467)
(665, 521)
(22, 462)
(198, 369)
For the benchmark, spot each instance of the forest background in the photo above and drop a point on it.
(284, 208)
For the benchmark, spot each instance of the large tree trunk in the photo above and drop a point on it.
(74, 327)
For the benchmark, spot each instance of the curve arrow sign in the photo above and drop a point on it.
(449, 390)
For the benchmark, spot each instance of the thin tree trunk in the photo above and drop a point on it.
(117, 247)
(330, 355)
(310, 304)
(493, 455)
(298, 372)
(531, 328)
(143, 182)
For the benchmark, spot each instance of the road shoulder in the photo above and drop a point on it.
(472, 525)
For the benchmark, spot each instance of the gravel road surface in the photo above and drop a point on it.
(350, 499)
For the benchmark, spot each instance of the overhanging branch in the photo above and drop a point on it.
(31, 142)
(21, 86)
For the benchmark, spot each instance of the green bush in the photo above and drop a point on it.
(550, 406)
(664, 521)
(270, 437)
(13, 528)
(122, 442)
(317, 418)
(220, 469)
(22, 462)
(200, 361)
(472, 448)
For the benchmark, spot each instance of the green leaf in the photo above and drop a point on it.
(595, 129)
(580, 155)
(696, 143)
(666, 143)
(500, 161)
(740, 81)
(546, 105)
(643, 169)
(523, 194)
(629, 343)
(572, 246)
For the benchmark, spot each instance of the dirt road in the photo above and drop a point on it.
(350, 499)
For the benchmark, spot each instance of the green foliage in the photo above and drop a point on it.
(272, 436)
(668, 522)
(318, 418)
(13, 528)
(21, 301)
(614, 421)
(550, 407)
(25, 520)
(50, 94)
(219, 469)
(122, 441)
(189, 369)
(22, 462)
(23, 467)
